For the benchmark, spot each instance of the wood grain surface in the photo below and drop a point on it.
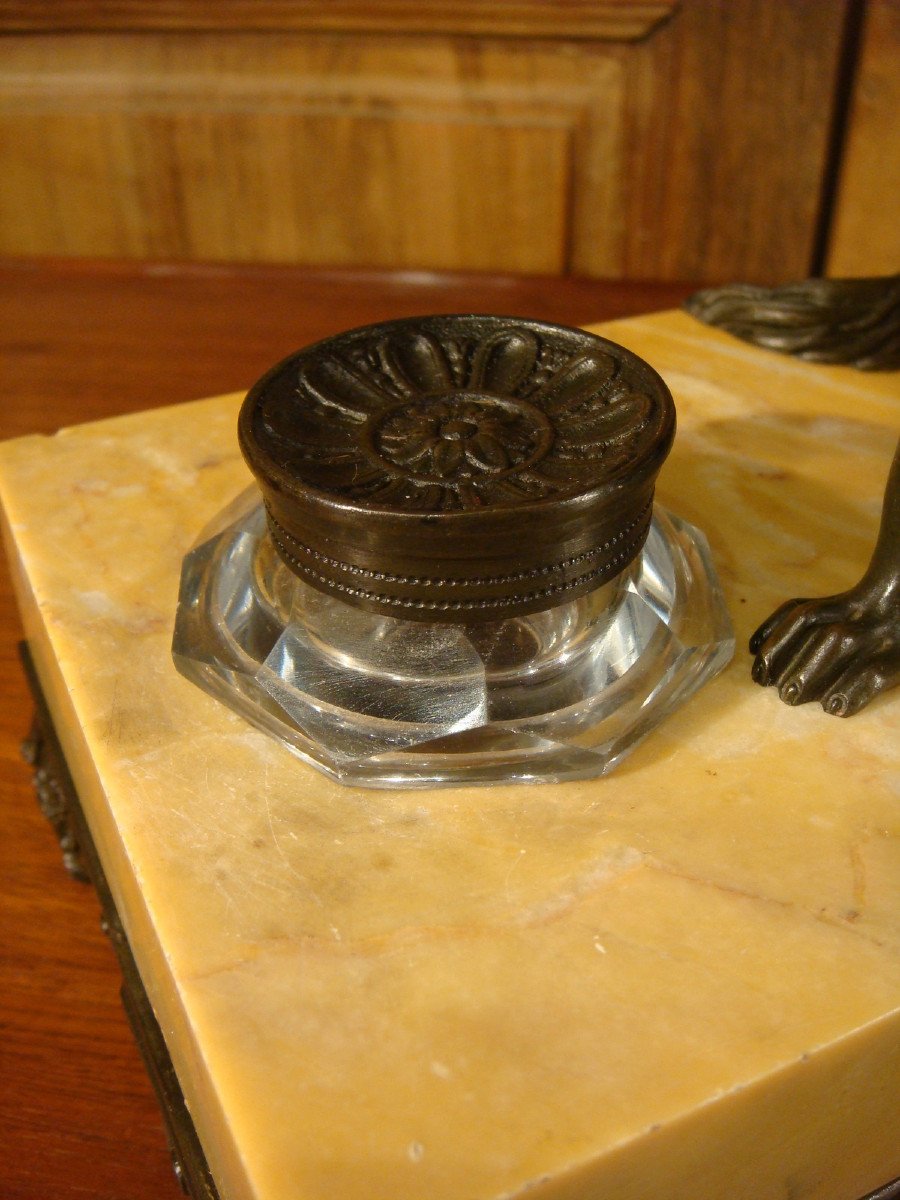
(699, 151)
(499, 18)
(865, 239)
(80, 341)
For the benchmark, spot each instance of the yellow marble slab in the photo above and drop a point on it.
(680, 982)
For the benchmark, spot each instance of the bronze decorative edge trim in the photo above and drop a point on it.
(54, 798)
(44, 752)
(519, 604)
(890, 1191)
(841, 322)
(285, 539)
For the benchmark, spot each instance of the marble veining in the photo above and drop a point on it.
(681, 980)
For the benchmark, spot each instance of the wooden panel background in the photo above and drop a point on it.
(696, 151)
(264, 148)
(866, 235)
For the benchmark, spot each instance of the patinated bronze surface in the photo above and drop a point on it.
(458, 468)
(53, 797)
(841, 650)
(849, 321)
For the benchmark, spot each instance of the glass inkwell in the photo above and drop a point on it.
(452, 571)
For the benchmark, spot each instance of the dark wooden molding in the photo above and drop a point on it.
(605, 20)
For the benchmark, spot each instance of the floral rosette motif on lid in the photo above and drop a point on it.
(458, 468)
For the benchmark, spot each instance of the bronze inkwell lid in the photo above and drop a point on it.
(458, 468)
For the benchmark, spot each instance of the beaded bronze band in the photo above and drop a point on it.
(627, 542)
(300, 552)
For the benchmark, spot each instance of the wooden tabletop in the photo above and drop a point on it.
(80, 341)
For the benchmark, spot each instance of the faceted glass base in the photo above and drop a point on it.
(384, 702)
